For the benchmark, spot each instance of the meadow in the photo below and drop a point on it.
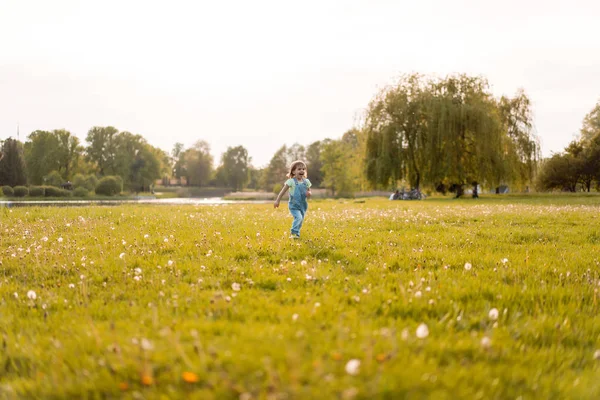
(495, 298)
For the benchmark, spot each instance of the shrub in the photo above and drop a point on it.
(277, 188)
(80, 192)
(8, 191)
(91, 182)
(20, 191)
(51, 191)
(36, 191)
(88, 182)
(109, 186)
(53, 179)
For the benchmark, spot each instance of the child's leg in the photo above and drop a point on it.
(297, 223)
(303, 213)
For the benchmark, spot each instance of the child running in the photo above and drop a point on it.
(299, 187)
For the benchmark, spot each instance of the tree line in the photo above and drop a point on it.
(441, 133)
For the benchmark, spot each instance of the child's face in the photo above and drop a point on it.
(299, 172)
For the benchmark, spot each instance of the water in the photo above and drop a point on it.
(173, 201)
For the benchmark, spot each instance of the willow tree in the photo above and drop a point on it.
(465, 133)
(396, 133)
(447, 132)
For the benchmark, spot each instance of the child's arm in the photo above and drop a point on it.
(283, 190)
(308, 193)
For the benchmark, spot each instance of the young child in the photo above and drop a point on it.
(299, 187)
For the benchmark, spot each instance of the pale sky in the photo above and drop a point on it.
(264, 73)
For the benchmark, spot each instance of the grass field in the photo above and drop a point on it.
(445, 299)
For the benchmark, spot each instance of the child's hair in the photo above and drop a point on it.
(293, 167)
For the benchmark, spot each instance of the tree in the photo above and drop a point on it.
(314, 164)
(277, 169)
(102, 149)
(12, 164)
(68, 152)
(559, 172)
(448, 131)
(235, 163)
(591, 125)
(197, 164)
(178, 162)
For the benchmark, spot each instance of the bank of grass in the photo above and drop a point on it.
(216, 302)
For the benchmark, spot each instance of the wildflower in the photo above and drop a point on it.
(353, 367)
(60, 240)
(190, 377)
(422, 331)
(317, 304)
(169, 263)
(31, 295)
(303, 262)
(137, 271)
(166, 240)
(82, 277)
(146, 236)
(404, 334)
(493, 314)
(289, 279)
(504, 260)
(257, 234)
(16, 295)
(236, 286)
(137, 278)
(597, 355)
(146, 344)
(71, 286)
(45, 239)
(121, 255)
(486, 342)
(468, 266)
(295, 317)
(418, 294)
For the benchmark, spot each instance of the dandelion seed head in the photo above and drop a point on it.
(31, 295)
(468, 266)
(353, 367)
(422, 331)
(493, 314)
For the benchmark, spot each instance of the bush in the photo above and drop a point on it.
(91, 182)
(277, 188)
(53, 179)
(20, 191)
(8, 191)
(80, 192)
(109, 186)
(51, 191)
(88, 182)
(36, 191)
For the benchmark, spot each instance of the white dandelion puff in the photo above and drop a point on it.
(295, 317)
(31, 295)
(422, 331)
(169, 263)
(486, 342)
(236, 287)
(71, 286)
(493, 314)
(353, 367)
(121, 255)
(303, 262)
(468, 266)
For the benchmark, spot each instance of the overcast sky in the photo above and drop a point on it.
(265, 73)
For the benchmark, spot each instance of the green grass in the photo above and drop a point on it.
(346, 290)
